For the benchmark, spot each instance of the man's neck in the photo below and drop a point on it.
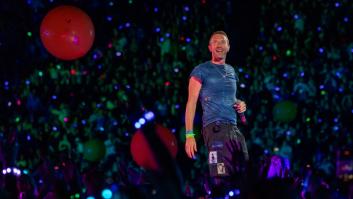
(219, 62)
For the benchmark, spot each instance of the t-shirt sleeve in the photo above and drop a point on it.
(197, 74)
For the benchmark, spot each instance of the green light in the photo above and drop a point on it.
(29, 34)
(58, 66)
(323, 92)
(130, 1)
(308, 119)
(298, 141)
(183, 48)
(40, 73)
(17, 119)
(77, 195)
(288, 52)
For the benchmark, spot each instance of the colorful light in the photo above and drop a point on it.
(107, 194)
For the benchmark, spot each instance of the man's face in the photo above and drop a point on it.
(218, 46)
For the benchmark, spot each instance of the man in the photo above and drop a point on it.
(214, 83)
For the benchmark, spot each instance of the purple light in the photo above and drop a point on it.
(345, 19)
(127, 24)
(184, 18)
(242, 85)
(285, 75)
(127, 134)
(83, 122)
(116, 87)
(302, 74)
(54, 97)
(155, 9)
(149, 115)
(261, 48)
(28, 137)
(188, 40)
(322, 87)
(6, 83)
(277, 88)
(247, 76)
(109, 18)
(265, 151)
(173, 130)
(337, 4)
(335, 119)
(9, 104)
(177, 106)
(55, 128)
(341, 90)
(319, 120)
(351, 50)
(279, 28)
(321, 50)
(318, 29)
(118, 54)
(186, 8)
(167, 34)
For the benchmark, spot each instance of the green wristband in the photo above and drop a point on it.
(189, 135)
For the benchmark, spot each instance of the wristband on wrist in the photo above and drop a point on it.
(189, 134)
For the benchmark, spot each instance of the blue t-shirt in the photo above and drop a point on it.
(218, 92)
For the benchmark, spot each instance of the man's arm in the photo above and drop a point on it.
(194, 91)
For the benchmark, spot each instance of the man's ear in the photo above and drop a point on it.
(209, 48)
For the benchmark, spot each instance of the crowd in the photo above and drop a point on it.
(303, 55)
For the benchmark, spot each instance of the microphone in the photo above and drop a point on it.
(242, 118)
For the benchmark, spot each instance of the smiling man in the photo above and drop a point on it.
(214, 83)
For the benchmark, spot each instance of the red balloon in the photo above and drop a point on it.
(67, 32)
(142, 153)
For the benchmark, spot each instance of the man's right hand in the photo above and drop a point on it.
(190, 147)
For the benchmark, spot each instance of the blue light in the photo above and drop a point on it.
(55, 128)
(261, 48)
(277, 88)
(240, 70)
(149, 115)
(167, 34)
(83, 122)
(285, 75)
(302, 74)
(158, 29)
(155, 9)
(231, 193)
(107, 194)
(6, 83)
(318, 29)
(337, 4)
(296, 16)
(186, 8)
(27, 82)
(266, 151)
(188, 40)
(142, 121)
(336, 128)
(184, 18)
(161, 39)
(127, 24)
(137, 125)
(242, 85)
(321, 50)
(109, 18)
(341, 90)
(322, 87)
(90, 197)
(101, 128)
(345, 19)
(279, 28)
(54, 97)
